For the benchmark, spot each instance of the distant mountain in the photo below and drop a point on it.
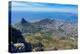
(25, 26)
(23, 21)
(45, 21)
(56, 27)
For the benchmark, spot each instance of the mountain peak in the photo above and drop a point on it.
(23, 20)
(47, 20)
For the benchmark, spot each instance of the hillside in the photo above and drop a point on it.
(51, 34)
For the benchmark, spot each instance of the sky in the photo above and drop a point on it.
(33, 11)
(75, 2)
(33, 6)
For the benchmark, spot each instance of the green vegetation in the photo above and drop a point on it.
(51, 42)
(49, 34)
